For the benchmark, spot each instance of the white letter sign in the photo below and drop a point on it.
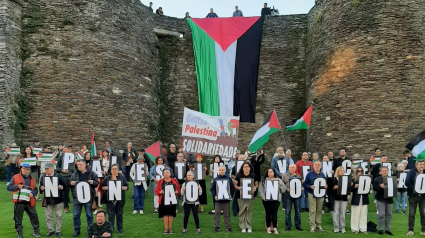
(159, 174)
(272, 190)
(346, 164)
(192, 191)
(68, 159)
(295, 187)
(51, 187)
(83, 192)
(419, 184)
(97, 168)
(114, 191)
(319, 187)
(281, 164)
(365, 182)
(223, 190)
(170, 195)
(327, 168)
(247, 188)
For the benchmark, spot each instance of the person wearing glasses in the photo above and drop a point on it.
(23, 190)
(359, 204)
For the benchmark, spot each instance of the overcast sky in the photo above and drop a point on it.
(225, 8)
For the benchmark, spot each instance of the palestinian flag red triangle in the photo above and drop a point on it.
(225, 31)
(153, 151)
(274, 122)
(303, 122)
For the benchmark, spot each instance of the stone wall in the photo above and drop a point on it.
(10, 67)
(365, 74)
(95, 67)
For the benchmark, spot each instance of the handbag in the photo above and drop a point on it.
(44, 202)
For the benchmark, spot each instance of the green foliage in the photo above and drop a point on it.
(34, 20)
(67, 21)
(355, 3)
(318, 18)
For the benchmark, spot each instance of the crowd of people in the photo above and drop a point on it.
(265, 11)
(31, 181)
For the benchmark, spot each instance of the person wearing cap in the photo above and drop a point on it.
(53, 203)
(23, 190)
(66, 174)
(139, 187)
(46, 148)
(36, 143)
(12, 162)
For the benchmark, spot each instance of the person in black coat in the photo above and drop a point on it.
(385, 205)
(52, 203)
(359, 204)
(256, 162)
(415, 199)
(115, 208)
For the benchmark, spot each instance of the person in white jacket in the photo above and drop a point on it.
(139, 187)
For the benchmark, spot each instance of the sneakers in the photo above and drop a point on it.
(323, 211)
(388, 233)
(184, 231)
(336, 231)
(243, 231)
(58, 234)
(36, 234)
(348, 211)
(134, 212)
(216, 230)
(275, 231)
(283, 209)
(211, 212)
(377, 213)
(269, 231)
(141, 212)
(403, 212)
(343, 232)
(7, 184)
(50, 234)
(380, 233)
(422, 233)
(312, 230)
(155, 211)
(320, 229)
(249, 231)
(299, 229)
(410, 233)
(229, 230)
(198, 231)
(95, 212)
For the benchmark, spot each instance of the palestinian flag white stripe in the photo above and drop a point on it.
(261, 132)
(225, 63)
(418, 149)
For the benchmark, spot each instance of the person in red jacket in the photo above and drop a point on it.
(304, 195)
(167, 212)
(23, 190)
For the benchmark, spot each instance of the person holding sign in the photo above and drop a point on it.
(53, 184)
(188, 204)
(154, 181)
(87, 157)
(359, 204)
(12, 162)
(222, 190)
(271, 189)
(304, 196)
(66, 174)
(245, 196)
(167, 201)
(287, 178)
(316, 203)
(139, 185)
(82, 194)
(214, 168)
(401, 192)
(23, 190)
(28, 154)
(385, 205)
(338, 214)
(203, 198)
(129, 156)
(280, 165)
(114, 187)
(416, 197)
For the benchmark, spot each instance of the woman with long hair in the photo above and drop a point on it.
(245, 206)
(359, 204)
(203, 198)
(338, 214)
(99, 192)
(190, 206)
(29, 154)
(115, 208)
(158, 161)
(271, 207)
(166, 212)
(87, 158)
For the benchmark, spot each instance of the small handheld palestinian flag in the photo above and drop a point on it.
(153, 151)
(13, 150)
(303, 122)
(80, 155)
(45, 156)
(31, 161)
(35, 150)
(93, 145)
(269, 126)
(375, 160)
(417, 146)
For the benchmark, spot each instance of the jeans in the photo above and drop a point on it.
(401, 201)
(304, 199)
(127, 173)
(77, 213)
(283, 201)
(139, 197)
(10, 171)
(297, 215)
(414, 201)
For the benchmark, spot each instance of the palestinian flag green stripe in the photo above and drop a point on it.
(299, 125)
(262, 140)
(151, 157)
(206, 71)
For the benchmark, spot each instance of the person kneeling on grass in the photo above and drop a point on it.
(100, 228)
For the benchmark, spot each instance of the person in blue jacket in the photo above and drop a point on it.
(315, 211)
(222, 205)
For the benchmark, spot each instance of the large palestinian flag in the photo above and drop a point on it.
(417, 146)
(303, 122)
(269, 126)
(227, 52)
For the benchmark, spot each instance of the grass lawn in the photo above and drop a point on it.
(149, 224)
